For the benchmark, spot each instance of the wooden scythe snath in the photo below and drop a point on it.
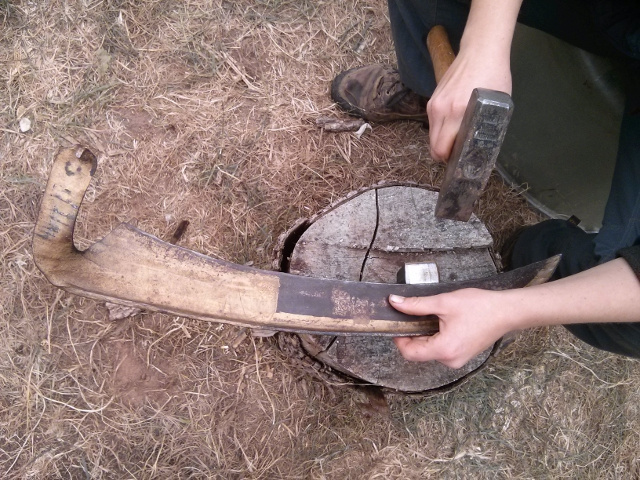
(134, 268)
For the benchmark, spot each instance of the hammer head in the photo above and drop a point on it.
(474, 153)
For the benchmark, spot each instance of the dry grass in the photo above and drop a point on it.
(203, 110)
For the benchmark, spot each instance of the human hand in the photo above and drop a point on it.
(472, 68)
(449, 101)
(471, 320)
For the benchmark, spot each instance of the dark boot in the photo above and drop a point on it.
(375, 93)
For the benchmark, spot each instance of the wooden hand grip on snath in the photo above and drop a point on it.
(478, 142)
(134, 268)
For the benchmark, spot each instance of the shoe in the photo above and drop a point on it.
(375, 93)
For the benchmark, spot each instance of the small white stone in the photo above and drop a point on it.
(25, 124)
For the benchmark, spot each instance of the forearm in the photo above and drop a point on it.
(482, 62)
(607, 293)
(490, 26)
(471, 320)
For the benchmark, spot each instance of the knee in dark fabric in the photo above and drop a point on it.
(553, 237)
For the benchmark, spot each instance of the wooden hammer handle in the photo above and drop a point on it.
(440, 50)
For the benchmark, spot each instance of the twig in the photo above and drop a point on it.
(334, 125)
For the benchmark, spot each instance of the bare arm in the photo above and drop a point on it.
(483, 61)
(472, 320)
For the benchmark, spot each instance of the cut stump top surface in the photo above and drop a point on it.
(369, 237)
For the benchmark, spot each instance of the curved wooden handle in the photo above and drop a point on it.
(53, 235)
(440, 50)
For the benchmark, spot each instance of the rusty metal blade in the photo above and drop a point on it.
(134, 268)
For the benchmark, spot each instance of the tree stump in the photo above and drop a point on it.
(369, 236)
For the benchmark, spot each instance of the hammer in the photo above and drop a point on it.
(478, 142)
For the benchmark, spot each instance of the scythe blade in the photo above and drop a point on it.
(134, 268)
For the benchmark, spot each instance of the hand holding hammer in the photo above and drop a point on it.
(477, 143)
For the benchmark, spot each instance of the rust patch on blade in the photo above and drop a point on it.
(345, 305)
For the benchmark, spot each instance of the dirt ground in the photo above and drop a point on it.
(204, 110)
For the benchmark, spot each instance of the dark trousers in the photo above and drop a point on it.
(602, 27)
